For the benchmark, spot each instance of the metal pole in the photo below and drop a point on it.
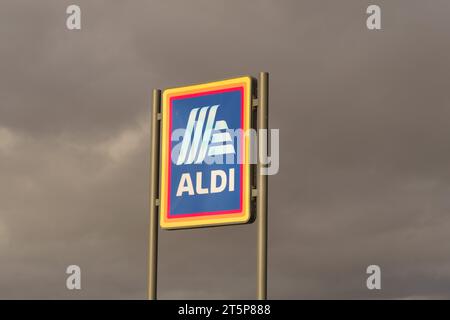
(154, 194)
(261, 184)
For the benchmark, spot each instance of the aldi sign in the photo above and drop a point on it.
(205, 154)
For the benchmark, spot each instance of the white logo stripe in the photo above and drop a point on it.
(221, 125)
(207, 133)
(187, 136)
(197, 135)
(220, 137)
(219, 150)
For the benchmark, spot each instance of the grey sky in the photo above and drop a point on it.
(364, 126)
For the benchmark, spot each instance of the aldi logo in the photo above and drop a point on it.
(205, 163)
(222, 142)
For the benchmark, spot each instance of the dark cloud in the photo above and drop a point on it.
(364, 127)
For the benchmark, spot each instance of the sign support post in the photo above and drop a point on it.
(261, 185)
(154, 194)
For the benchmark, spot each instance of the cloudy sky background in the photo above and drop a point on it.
(364, 120)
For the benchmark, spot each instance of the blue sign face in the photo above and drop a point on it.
(205, 168)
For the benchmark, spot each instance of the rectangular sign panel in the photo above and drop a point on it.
(205, 165)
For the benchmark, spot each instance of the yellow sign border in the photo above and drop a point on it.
(211, 220)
